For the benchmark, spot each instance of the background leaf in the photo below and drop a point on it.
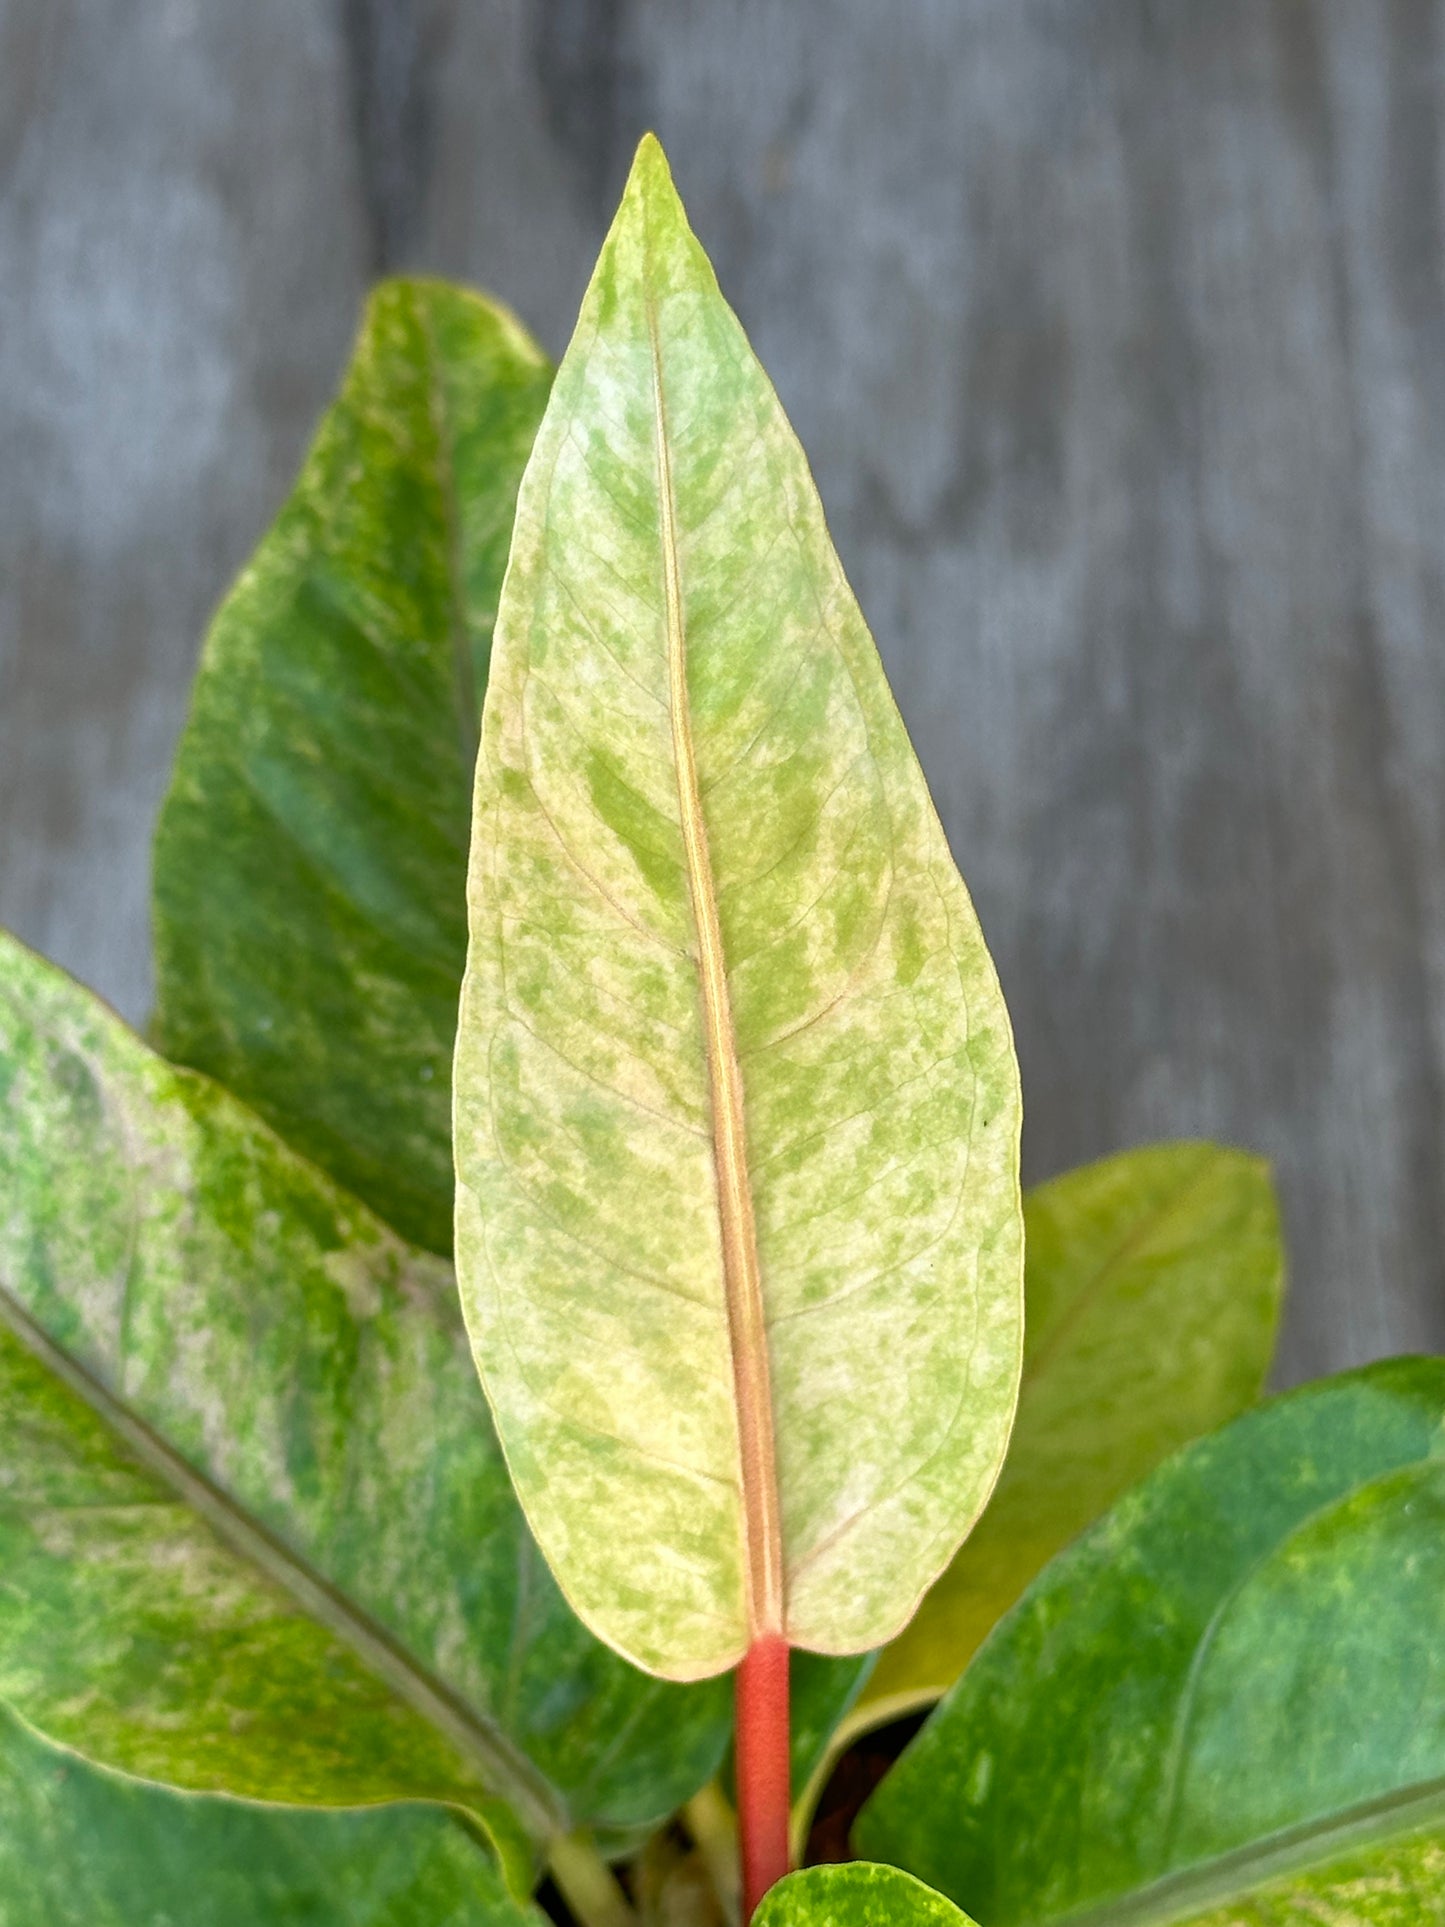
(80, 1845)
(711, 903)
(822, 1693)
(200, 1284)
(1227, 1699)
(310, 862)
(1388, 1882)
(857, 1895)
(1152, 1285)
(132, 1629)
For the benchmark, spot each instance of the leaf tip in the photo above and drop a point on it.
(651, 158)
(650, 179)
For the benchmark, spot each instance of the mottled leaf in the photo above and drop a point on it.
(131, 1628)
(858, 1895)
(1152, 1284)
(310, 864)
(737, 1107)
(1386, 1875)
(80, 1845)
(255, 1528)
(1226, 1702)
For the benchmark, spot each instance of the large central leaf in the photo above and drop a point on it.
(737, 1109)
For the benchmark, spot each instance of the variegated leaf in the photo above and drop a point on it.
(737, 1111)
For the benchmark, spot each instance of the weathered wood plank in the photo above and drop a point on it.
(182, 253)
(1117, 334)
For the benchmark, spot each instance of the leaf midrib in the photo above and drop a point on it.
(503, 1770)
(1178, 1897)
(746, 1318)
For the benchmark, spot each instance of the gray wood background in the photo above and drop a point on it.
(1116, 332)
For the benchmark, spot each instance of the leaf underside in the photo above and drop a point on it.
(256, 1531)
(1226, 1703)
(724, 985)
(310, 860)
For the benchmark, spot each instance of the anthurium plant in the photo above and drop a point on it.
(538, 1377)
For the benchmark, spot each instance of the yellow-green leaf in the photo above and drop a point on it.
(1152, 1285)
(737, 1111)
(857, 1895)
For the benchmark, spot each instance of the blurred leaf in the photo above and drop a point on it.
(1152, 1286)
(255, 1530)
(81, 1845)
(1226, 1702)
(823, 1693)
(310, 863)
(857, 1895)
(737, 1107)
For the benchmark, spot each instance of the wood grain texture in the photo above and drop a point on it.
(1115, 336)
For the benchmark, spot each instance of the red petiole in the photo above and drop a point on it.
(763, 1767)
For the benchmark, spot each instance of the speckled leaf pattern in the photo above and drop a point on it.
(80, 1847)
(1152, 1283)
(1225, 1703)
(310, 863)
(858, 1895)
(736, 1095)
(1391, 1881)
(351, 1608)
(131, 1630)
